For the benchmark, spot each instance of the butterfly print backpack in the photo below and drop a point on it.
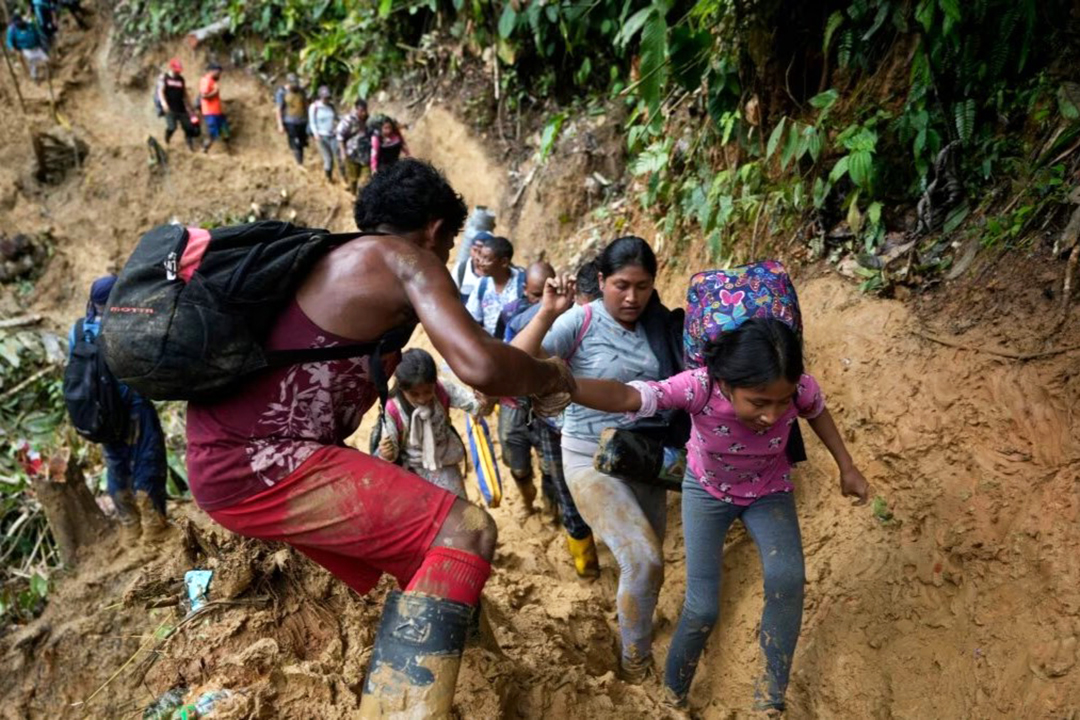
(721, 300)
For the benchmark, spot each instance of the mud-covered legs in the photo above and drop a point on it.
(774, 526)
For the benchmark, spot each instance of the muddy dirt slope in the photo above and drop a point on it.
(965, 604)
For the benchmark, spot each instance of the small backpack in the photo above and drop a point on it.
(91, 393)
(721, 300)
(191, 309)
(392, 408)
(295, 103)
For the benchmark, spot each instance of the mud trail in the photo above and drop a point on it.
(967, 604)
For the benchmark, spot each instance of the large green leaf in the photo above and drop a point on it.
(632, 26)
(774, 138)
(654, 61)
(839, 169)
(689, 55)
(507, 21)
(860, 167)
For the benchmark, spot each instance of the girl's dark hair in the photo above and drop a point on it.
(756, 353)
(417, 367)
(407, 196)
(626, 251)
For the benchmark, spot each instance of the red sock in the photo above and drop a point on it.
(451, 574)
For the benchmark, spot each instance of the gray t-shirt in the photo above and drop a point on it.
(607, 351)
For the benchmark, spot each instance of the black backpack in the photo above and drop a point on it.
(92, 394)
(188, 322)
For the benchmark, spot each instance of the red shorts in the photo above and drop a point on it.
(354, 514)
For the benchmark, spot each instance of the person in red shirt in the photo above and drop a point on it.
(210, 104)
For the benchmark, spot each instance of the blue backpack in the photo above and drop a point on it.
(91, 392)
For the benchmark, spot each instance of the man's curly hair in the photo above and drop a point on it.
(407, 196)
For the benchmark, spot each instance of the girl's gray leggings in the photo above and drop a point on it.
(630, 519)
(774, 526)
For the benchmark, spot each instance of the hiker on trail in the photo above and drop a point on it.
(270, 460)
(292, 119)
(136, 465)
(467, 274)
(587, 284)
(416, 428)
(217, 126)
(354, 144)
(544, 434)
(625, 335)
(28, 39)
(323, 119)
(387, 145)
(173, 100)
(500, 282)
(743, 404)
(516, 438)
(46, 17)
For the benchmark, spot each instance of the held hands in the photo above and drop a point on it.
(487, 404)
(557, 395)
(558, 294)
(853, 484)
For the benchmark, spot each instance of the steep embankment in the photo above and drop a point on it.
(965, 605)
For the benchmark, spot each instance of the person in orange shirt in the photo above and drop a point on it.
(210, 104)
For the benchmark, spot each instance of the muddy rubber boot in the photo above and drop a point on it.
(583, 551)
(127, 512)
(154, 524)
(528, 496)
(416, 658)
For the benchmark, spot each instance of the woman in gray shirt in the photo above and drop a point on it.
(605, 339)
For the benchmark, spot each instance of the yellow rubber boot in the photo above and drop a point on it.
(584, 553)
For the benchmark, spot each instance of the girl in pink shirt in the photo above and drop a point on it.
(743, 404)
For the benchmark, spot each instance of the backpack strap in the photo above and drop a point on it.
(482, 288)
(393, 409)
(521, 283)
(581, 333)
(461, 271)
(442, 396)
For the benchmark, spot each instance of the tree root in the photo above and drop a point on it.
(998, 352)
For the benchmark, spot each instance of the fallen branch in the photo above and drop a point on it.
(524, 186)
(28, 381)
(155, 653)
(1010, 354)
(204, 33)
(21, 321)
(122, 667)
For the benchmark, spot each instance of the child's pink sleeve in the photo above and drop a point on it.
(809, 400)
(689, 390)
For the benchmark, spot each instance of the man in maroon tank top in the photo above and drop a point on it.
(270, 460)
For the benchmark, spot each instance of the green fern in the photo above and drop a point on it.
(843, 53)
(964, 115)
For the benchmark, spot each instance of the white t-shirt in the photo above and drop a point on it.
(468, 280)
